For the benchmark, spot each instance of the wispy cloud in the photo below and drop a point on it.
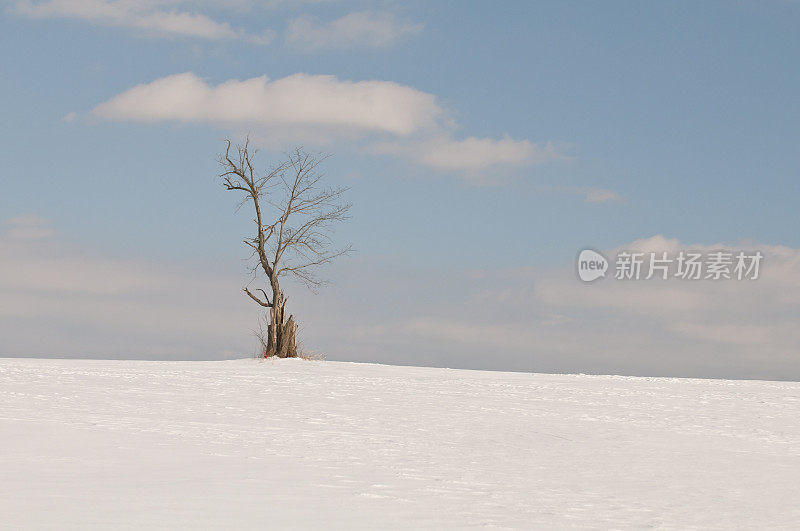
(548, 320)
(592, 195)
(27, 227)
(601, 195)
(61, 300)
(58, 299)
(150, 18)
(471, 155)
(358, 29)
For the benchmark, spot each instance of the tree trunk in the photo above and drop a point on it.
(281, 336)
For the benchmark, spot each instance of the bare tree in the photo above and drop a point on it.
(294, 214)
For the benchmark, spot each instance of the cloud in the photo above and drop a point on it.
(549, 321)
(297, 100)
(58, 299)
(319, 109)
(358, 29)
(593, 195)
(62, 300)
(601, 195)
(472, 154)
(151, 18)
(732, 328)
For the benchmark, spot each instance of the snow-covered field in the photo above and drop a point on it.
(260, 444)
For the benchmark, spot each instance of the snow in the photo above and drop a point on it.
(252, 444)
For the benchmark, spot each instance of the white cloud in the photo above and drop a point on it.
(152, 18)
(362, 28)
(297, 100)
(69, 117)
(472, 154)
(320, 109)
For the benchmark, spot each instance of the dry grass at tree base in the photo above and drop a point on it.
(302, 352)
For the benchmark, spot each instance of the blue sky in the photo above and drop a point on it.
(595, 124)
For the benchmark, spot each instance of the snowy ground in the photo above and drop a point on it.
(254, 444)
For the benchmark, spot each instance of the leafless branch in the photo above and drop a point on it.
(259, 301)
(297, 240)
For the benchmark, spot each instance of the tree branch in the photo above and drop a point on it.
(298, 239)
(259, 301)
